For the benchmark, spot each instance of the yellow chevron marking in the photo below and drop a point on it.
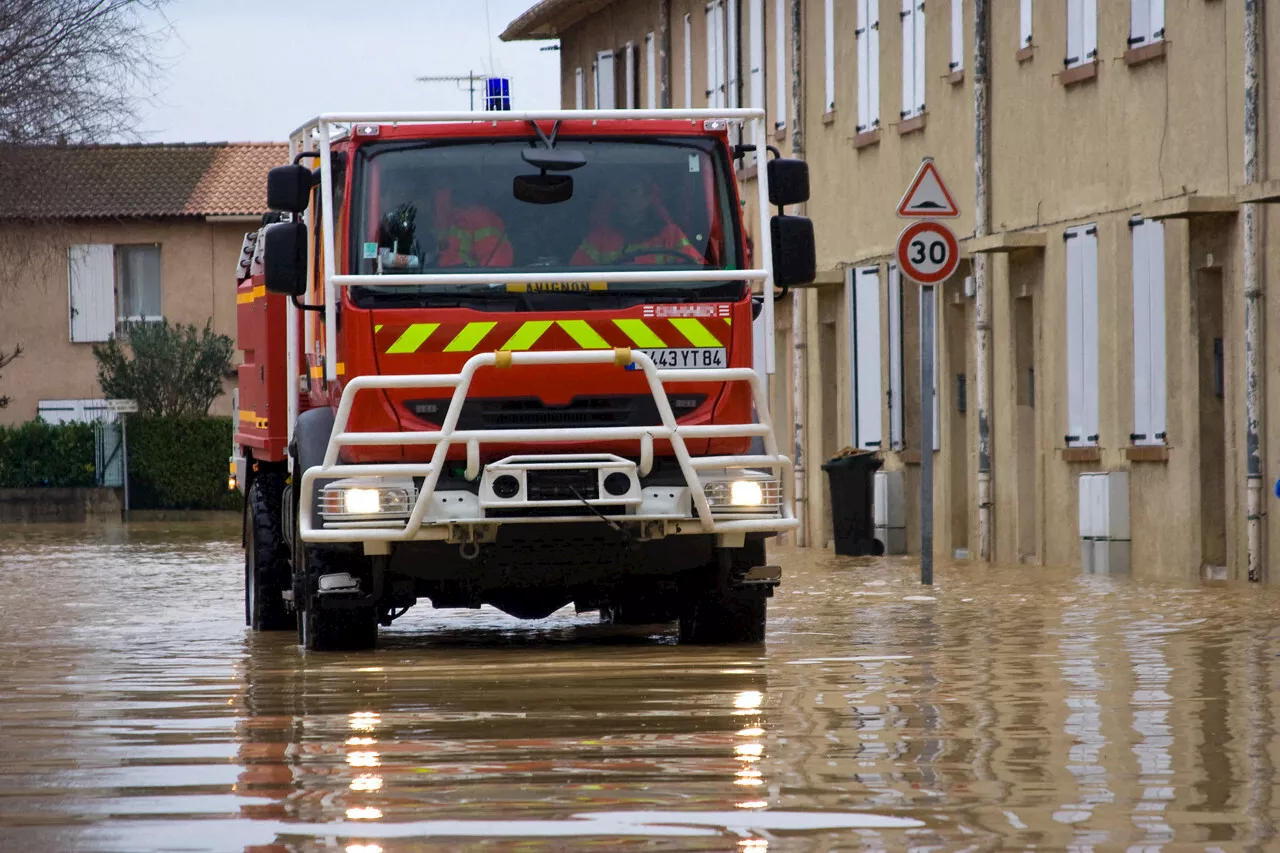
(641, 335)
(243, 298)
(527, 335)
(583, 335)
(413, 337)
(377, 328)
(728, 321)
(695, 332)
(470, 337)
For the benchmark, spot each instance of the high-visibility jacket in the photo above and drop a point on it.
(474, 236)
(605, 244)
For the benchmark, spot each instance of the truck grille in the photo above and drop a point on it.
(532, 413)
(561, 484)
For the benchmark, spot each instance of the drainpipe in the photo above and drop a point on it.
(799, 358)
(982, 290)
(1253, 388)
(664, 54)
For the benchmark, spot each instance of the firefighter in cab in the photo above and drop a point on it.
(635, 229)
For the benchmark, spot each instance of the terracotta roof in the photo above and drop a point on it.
(549, 19)
(136, 181)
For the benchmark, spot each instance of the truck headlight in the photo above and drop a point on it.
(366, 498)
(749, 494)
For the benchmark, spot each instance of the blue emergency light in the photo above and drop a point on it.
(497, 95)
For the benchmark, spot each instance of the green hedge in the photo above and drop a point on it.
(180, 463)
(37, 454)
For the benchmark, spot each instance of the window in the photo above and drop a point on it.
(868, 36)
(829, 55)
(912, 16)
(1082, 336)
(1082, 32)
(91, 292)
(1146, 22)
(1024, 32)
(780, 63)
(716, 87)
(605, 94)
(651, 72)
(579, 90)
(1149, 387)
(688, 61)
(957, 35)
(138, 284)
(862, 293)
(895, 359)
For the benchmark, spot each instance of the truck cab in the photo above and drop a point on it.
(509, 361)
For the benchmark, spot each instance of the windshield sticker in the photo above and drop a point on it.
(370, 251)
(695, 163)
(687, 310)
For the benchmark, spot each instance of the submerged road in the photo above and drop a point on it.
(1004, 708)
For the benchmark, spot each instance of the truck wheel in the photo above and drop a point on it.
(266, 557)
(716, 612)
(334, 629)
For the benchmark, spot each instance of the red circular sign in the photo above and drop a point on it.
(928, 252)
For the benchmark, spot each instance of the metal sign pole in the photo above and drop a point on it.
(124, 454)
(927, 380)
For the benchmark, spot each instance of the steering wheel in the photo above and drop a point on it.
(644, 253)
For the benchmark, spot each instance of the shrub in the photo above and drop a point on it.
(172, 371)
(40, 454)
(180, 463)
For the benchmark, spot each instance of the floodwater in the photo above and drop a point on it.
(1002, 709)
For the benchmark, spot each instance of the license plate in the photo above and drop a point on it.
(689, 358)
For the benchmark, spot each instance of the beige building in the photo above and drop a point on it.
(95, 236)
(1112, 260)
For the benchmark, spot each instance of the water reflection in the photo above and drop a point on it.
(1013, 708)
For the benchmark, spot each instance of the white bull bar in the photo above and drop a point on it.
(418, 527)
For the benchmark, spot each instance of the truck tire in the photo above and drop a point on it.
(334, 629)
(266, 556)
(715, 612)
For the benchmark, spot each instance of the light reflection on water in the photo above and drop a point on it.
(1006, 707)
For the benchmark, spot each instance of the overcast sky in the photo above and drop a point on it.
(253, 70)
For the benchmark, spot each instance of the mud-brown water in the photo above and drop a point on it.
(1007, 708)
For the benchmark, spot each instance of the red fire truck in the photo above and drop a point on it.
(506, 359)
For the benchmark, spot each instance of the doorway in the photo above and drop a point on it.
(1026, 437)
(957, 443)
(1213, 428)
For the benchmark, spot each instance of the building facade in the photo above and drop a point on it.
(94, 237)
(1115, 232)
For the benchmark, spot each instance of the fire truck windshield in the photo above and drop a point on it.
(458, 207)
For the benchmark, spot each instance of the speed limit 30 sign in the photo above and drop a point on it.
(928, 252)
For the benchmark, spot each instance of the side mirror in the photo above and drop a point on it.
(788, 182)
(795, 254)
(284, 258)
(289, 188)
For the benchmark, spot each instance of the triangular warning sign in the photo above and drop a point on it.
(928, 197)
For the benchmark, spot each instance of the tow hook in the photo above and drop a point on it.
(469, 550)
(766, 576)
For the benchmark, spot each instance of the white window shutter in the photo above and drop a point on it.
(629, 66)
(1089, 263)
(1090, 36)
(867, 400)
(873, 60)
(605, 84)
(1075, 33)
(1075, 338)
(579, 90)
(862, 36)
(1156, 311)
(957, 35)
(651, 71)
(91, 290)
(757, 54)
(1025, 29)
(829, 54)
(780, 64)
(688, 61)
(1139, 21)
(908, 58)
(918, 30)
(1142, 320)
(731, 55)
(895, 359)
(1157, 20)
